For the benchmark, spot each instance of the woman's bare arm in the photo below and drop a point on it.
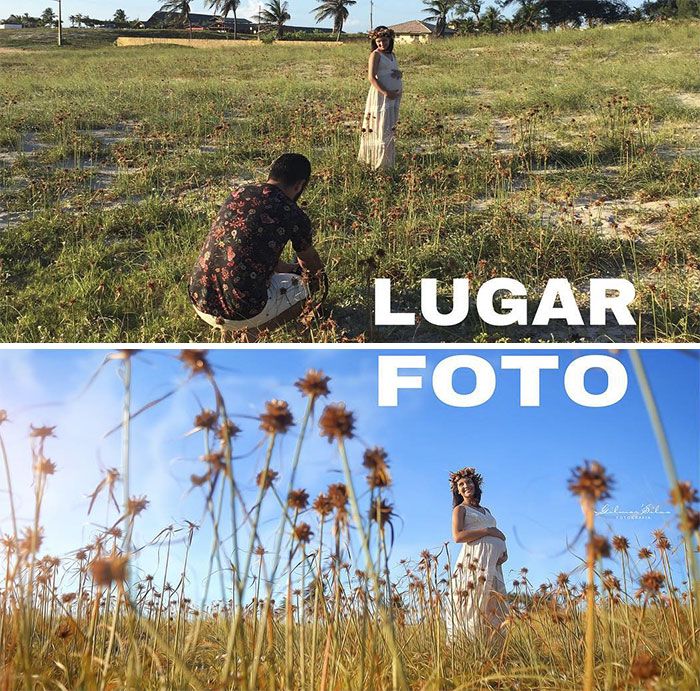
(372, 77)
(460, 534)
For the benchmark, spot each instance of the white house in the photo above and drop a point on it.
(10, 26)
(416, 31)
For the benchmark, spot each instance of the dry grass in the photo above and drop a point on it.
(320, 603)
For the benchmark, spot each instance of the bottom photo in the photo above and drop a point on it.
(360, 518)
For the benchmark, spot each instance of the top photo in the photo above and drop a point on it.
(349, 171)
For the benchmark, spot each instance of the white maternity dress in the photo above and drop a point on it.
(378, 139)
(477, 590)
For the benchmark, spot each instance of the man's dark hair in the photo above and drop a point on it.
(290, 169)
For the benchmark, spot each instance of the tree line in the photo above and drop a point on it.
(461, 16)
(50, 19)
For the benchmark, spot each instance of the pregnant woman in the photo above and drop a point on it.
(377, 143)
(477, 595)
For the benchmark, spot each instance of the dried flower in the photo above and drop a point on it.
(598, 546)
(661, 541)
(31, 541)
(136, 505)
(684, 493)
(41, 432)
(207, 419)
(644, 667)
(381, 511)
(265, 478)
(196, 360)
(44, 466)
(336, 422)
(645, 553)
(277, 418)
(298, 499)
(3, 416)
(228, 429)
(322, 505)
(651, 582)
(314, 384)
(303, 533)
(375, 461)
(590, 482)
(620, 543)
(109, 570)
(338, 496)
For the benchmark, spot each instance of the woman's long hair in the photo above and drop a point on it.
(379, 30)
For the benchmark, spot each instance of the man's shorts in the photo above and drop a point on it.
(284, 291)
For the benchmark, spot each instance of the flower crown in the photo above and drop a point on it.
(467, 472)
(382, 32)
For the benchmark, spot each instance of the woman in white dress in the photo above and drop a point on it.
(477, 591)
(377, 143)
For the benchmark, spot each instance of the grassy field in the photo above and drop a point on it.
(573, 154)
(322, 603)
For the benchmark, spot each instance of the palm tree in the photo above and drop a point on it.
(226, 7)
(336, 10)
(529, 16)
(178, 8)
(438, 11)
(492, 20)
(276, 12)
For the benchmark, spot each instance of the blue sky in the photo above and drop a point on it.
(525, 454)
(385, 11)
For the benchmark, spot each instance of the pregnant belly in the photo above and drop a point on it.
(391, 83)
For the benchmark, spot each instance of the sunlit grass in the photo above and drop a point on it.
(569, 154)
(311, 596)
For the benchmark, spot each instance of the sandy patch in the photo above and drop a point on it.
(690, 99)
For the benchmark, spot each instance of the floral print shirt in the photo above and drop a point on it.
(241, 252)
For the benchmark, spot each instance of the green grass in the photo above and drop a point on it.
(511, 157)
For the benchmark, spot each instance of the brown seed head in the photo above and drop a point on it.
(228, 428)
(598, 547)
(336, 422)
(661, 540)
(303, 533)
(64, 630)
(381, 511)
(322, 505)
(684, 493)
(375, 460)
(265, 478)
(207, 419)
(645, 553)
(44, 466)
(196, 360)
(644, 667)
(314, 384)
(109, 570)
(31, 540)
(3, 416)
(691, 521)
(590, 482)
(136, 505)
(338, 496)
(41, 432)
(298, 499)
(651, 582)
(620, 543)
(277, 418)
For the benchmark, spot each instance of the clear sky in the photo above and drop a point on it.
(385, 11)
(525, 454)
